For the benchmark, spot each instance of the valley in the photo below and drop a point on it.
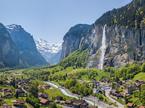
(98, 65)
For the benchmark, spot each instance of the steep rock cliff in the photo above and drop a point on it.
(123, 46)
(26, 46)
(73, 38)
(9, 54)
(124, 32)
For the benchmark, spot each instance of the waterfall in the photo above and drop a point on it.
(103, 48)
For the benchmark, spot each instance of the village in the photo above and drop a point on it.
(16, 93)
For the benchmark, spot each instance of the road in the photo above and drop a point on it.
(90, 99)
(107, 93)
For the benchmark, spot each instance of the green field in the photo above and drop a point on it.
(53, 93)
(139, 76)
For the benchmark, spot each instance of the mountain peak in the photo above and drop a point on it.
(14, 27)
(51, 52)
(48, 47)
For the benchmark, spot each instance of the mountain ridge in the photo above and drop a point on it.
(25, 43)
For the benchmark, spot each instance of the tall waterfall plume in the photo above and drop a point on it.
(103, 48)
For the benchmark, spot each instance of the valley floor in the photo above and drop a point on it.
(56, 87)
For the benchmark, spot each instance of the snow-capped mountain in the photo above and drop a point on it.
(51, 52)
(26, 46)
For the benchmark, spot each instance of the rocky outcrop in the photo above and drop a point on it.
(72, 39)
(9, 54)
(26, 46)
(125, 43)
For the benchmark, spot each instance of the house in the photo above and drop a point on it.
(59, 99)
(20, 92)
(7, 90)
(131, 88)
(114, 93)
(68, 102)
(18, 103)
(22, 82)
(96, 91)
(139, 83)
(8, 95)
(130, 105)
(80, 104)
(1, 90)
(105, 80)
(43, 101)
(6, 106)
(96, 83)
(42, 95)
(77, 103)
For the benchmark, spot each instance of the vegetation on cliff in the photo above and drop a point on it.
(131, 15)
(76, 59)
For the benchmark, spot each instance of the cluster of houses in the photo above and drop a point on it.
(16, 103)
(44, 100)
(6, 93)
(131, 105)
(76, 104)
(134, 87)
(130, 87)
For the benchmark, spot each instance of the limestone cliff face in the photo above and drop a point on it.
(124, 45)
(125, 37)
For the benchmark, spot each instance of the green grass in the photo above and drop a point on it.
(9, 101)
(75, 59)
(53, 93)
(139, 76)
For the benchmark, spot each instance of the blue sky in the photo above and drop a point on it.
(51, 19)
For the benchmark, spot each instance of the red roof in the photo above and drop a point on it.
(43, 101)
(130, 104)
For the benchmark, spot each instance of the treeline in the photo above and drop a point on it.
(125, 73)
(131, 15)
